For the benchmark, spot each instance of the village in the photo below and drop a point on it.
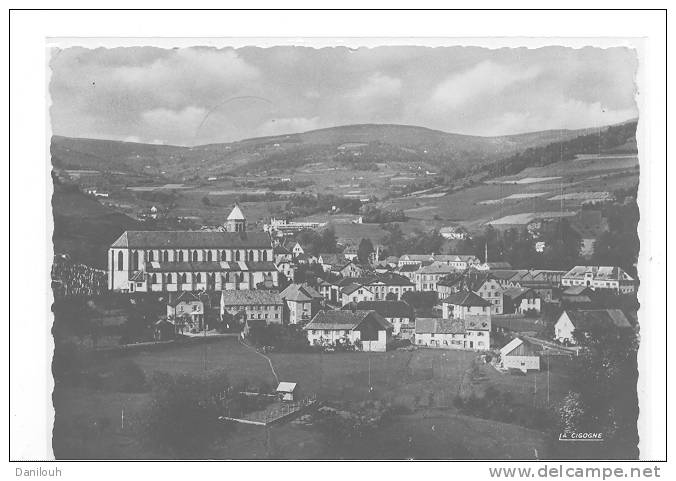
(274, 296)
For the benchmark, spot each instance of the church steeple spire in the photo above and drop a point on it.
(236, 221)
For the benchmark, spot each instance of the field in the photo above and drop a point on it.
(424, 382)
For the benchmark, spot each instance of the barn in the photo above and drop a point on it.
(520, 354)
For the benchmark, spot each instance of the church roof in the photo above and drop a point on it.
(193, 240)
(236, 213)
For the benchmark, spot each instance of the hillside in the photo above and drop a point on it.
(359, 146)
(83, 228)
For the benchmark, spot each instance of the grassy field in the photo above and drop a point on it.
(423, 382)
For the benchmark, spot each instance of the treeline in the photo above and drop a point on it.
(396, 243)
(610, 138)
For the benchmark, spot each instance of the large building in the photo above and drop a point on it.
(600, 277)
(173, 261)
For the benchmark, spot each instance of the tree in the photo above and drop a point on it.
(327, 242)
(206, 201)
(364, 251)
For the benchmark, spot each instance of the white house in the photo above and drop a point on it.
(572, 321)
(520, 354)
(426, 277)
(356, 293)
(302, 302)
(473, 332)
(600, 277)
(186, 307)
(253, 304)
(365, 330)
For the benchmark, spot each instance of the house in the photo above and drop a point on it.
(328, 261)
(409, 270)
(349, 269)
(600, 277)
(457, 261)
(520, 354)
(287, 269)
(473, 332)
(426, 277)
(365, 330)
(521, 300)
(454, 233)
(282, 254)
(480, 282)
(397, 313)
(297, 250)
(350, 253)
(487, 266)
(186, 310)
(572, 323)
(259, 304)
(464, 303)
(301, 301)
(388, 284)
(355, 292)
(287, 391)
(414, 259)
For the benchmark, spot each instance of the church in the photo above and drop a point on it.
(173, 261)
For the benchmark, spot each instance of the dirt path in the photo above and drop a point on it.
(272, 368)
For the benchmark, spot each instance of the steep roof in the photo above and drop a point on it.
(599, 272)
(387, 309)
(300, 293)
(466, 298)
(585, 319)
(250, 297)
(344, 320)
(236, 213)
(192, 240)
(515, 292)
(435, 325)
(477, 322)
(516, 342)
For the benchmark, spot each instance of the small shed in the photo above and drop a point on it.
(287, 390)
(520, 354)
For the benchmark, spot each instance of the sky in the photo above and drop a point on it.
(200, 95)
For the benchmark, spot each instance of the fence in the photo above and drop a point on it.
(275, 414)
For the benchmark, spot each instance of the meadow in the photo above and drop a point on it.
(422, 383)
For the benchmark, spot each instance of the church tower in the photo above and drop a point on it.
(236, 222)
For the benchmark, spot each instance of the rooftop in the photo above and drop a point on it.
(192, 240)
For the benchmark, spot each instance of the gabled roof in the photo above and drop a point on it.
(516, 342)
(436, 268)
(349, 289)
(184, 296)
(585, 319)
(389, 279)
(435, 325)
(192, 240)
(408, 268)
(576, 291)
(515, 293)
(300, 293)
(387, 309)
(344, 320)
(466, 298)
(599, 272)
(286, 387)
(236, 213)
(249, 297)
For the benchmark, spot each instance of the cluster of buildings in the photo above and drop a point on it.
(233, 274)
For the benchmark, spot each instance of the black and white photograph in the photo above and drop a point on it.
(347, 250)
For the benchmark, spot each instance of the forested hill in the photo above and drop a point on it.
(616, 139)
